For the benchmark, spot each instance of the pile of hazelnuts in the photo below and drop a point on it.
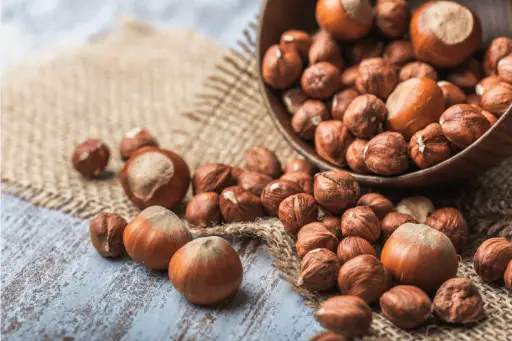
(378, 90)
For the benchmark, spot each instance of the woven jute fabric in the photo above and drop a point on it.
(141, 77)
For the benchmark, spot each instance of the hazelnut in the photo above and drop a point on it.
(490, 117)
(377, 77)
(364, 276)
(275, 192)
(308, 117)
(293, 99)
(444, 33)
(326, 49)
(300, 165)
(406, 306)
(458, 301)
(499, 48)
(508, 276)
(452, 94)
(491, 258)
(203, 210)
(345, 19)
(90, 158)
(505, 69)
(399, 52)
(392, 18)
(236, 172)
(212, 177)
(360, 221)
(417, 69)
(354, 156)
(299, 40)
(413, 105)
(336, 190)
(346, 315)
(352, 247)
(332, 139)
(328, 336)
(386, 154)
(333, 224)
(107, 234)
(302, 179)
(392, 221)
(206, 271)
(486, 84)
(349, 76)
(296, 211)
(134, 140)
(364, 115)
(238, 204)
(466, 76)
(319, 270)
(474, 99)
(419, 208)
(154, 176)
(463, 124)
(281, 68)
(429, 146)
(379, 204)
(321, 80)
(451, 222)
(313, 236)
(498, 99)
(368, 47)
(262, 160)
(341, 101)
(154, 236)
(254, 182)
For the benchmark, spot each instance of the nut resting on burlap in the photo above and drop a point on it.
(49, 107)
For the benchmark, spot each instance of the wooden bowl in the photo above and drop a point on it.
(492, 148)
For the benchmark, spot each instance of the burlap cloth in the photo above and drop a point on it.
(137, 76)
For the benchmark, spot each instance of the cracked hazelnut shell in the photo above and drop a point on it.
(351, 247)
(379, 204)
(458, 301)
(237, 204)
(313, 236)
(345, 19)
(451, 222)
(463, 124)
(406, 306)
(262, 160)
(106, 231)
(275, 192)
(392, 18)
(377, 77)
(341, 101)
(429, 146)
(90, 158)
(321, 80)
(212, 177)
(354, 156)
(347, 315)
(203, 210)
(336, 190)
(281, 68)
(296, 211)
(364, 116)
(332, 139)
(300, 165)
(319, 270)
(254, 182)
(392, 221)
(134, 140)
(491, 258)
(307, 118)
(386, 154)
(360, 221)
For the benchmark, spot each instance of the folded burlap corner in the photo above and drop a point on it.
(138, 76)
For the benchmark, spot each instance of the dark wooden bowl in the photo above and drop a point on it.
(492, 148)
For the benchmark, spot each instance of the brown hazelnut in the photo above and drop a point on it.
(392, 221)
(352, 247)
(345, 19)
(458, 301)
(319, 270)
(299, 40)
(413, 105)
(499, 48)
(341, 101)
(463, 124)
(154, 176)
(332, 139)
(293, 99)
(90, 158)
(313, 236)
(238, 204)
(377, 77)
(296, 211)
(275, 192)
(392, 18)
(302, 179)
(349, 76)
(508, 276)
(452, 94)
(368, 47)
(134, 140)
(364, 115)
(490, 117)
(336, 190)
(417, 69)
(300, 165)
(466, 76)
(212, 177)
(236, 172)
(354, 156)
(386, 154)
(429, 146)
(326, 49)
(379, 204)
(418, 207)
(360, 221)
(498, 99)
(308, 117)
(364, 276)
(107, 234)
(486, 84)
(492, 258)
(406, 306)
(321, 80)
(451, 222)
(346, 315)
(262, 160)
(328, 336)
(203, 210)
(399, 52)
(254, 182)
(505, 69)
(333, 224)
(444, 33)
(474, 99)
(281, 68)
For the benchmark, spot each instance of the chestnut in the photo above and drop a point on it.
(336, 190)
(90, 158)
(346, 315)
(296, 211)
(107, 234)
(345, 19)
(237, 204)
(392, 17)
(203, 210)
(134, 140)
(332, 139)
(280, 68)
